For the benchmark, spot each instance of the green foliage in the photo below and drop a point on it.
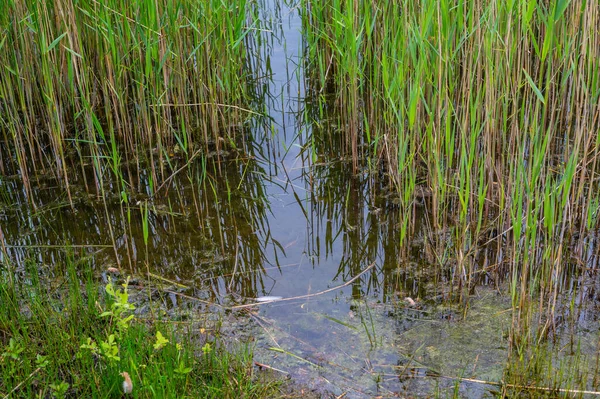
(161, 341)
(80, 354)
(181, 370)
(59, 390)
(207, 349)
(492, 108)
(113, 81)
(119, 307)
(13, 350)
(11, 356)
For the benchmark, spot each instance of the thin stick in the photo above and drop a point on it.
(347, 283)
(533, 387)
(249, 305)
(235, 266)
(258, 320)
(266, 366)
(194, 155)
(61, 246)
(34, 372)
(215, 104)
(124, 16)
(192, 298)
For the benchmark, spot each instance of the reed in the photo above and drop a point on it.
(120, 84)
(492, 108)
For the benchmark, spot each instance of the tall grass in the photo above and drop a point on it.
(491, 109)
(117, 84)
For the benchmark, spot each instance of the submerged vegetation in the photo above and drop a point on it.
(478, 120)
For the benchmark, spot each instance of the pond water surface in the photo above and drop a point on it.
(284, 222)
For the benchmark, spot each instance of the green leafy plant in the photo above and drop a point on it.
(207, 348)
(13, 350)
(161, 341)
(41, 361)
(59, 390)
(91, 345)
(182, 370)
(12, 354)
(119, 307)
(110, 350)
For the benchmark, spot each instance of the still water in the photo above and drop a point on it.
(365, 313)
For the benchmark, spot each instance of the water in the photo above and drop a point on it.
(285, 223)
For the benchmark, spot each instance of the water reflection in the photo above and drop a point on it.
(198, 232)
(273, 216)
(264, 216)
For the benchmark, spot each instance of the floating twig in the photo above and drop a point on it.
(517, 386)
(347, 283)
(266, 366)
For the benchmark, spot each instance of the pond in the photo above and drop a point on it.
(358, 308)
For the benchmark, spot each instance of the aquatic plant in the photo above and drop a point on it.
(486, 112)
(120, 84)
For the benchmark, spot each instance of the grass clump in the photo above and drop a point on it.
(490, 108)
(75, 342)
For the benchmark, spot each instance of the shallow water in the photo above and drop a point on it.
(284, 222)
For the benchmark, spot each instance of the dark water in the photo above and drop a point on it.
(282, 221)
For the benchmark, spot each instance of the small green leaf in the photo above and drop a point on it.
(161, 341)
(412, 106)
(55, 42)
(535, 89)
(559, 8)
(41, 361)
(182, 370)
(13, 349)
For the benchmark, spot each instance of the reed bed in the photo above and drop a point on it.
(486, 113)
(116, 85)
(489, 113)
